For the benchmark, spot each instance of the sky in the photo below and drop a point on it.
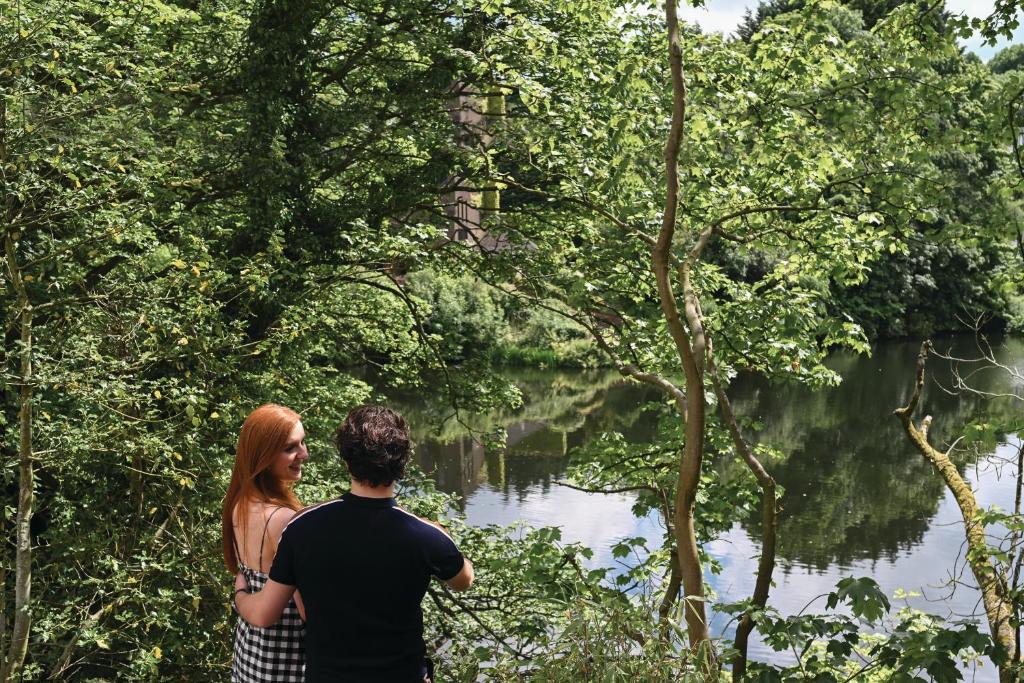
(723, 16)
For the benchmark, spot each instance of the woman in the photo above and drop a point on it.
(258, 505)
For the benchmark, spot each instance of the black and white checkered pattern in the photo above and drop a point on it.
(269, 655)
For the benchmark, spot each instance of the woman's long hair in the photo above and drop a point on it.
(262, 439)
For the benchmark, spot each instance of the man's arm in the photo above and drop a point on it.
(464, 579)
(262, 609)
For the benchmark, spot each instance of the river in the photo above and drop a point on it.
(858, 499)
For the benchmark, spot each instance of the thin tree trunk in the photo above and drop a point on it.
(4, 203)
(15, 658)
(769, 523)
(675, 580)
(1016, 554)
(3, 613)
(690, 569)
(996, 602)
(671, 592)
(64, 660)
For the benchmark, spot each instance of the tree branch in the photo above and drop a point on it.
(997, 602)
(769, 522)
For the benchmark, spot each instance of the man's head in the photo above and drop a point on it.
(374, 443)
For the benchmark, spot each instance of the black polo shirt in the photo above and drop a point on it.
(362, 566)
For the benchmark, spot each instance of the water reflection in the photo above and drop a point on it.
(561, 411)
(858, 499)
(928, 569)
(855, 489)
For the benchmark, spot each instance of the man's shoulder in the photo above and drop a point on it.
(423, 528)
(308, 516)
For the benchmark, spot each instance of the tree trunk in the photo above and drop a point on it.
(769, 522)
(997, 603)
(671, 592)
(690, 569)
(15, 658)
(8, 344)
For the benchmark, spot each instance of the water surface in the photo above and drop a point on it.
(859, 500)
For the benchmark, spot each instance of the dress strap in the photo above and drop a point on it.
(234, 544)
(238, 555)
(266, 527)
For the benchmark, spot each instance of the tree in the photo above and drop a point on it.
(183, 260)
(870, 12)
(1008, 59)
(120, 331)
(1000, 594)
(778, 173)
(45, 191)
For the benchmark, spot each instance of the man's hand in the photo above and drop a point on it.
(262, 609)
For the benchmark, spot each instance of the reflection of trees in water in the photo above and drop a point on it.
(855, 489)
(561, 410)
(547, 395)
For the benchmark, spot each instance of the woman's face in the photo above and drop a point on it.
(287, 464)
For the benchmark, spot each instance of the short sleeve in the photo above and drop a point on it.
(283, 569)
(443, 557)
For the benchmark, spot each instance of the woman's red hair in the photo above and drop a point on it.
(262, 438)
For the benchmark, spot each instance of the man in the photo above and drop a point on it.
(361, 564)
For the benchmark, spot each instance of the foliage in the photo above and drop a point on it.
(870, 11)
(817, 184)
(471, 321)
(837, 647)
(789, 298)
(1008, 59)
(171, 298)
(613, 463)
(944, 253)
(549, 336)
(461, 312)
(211, 203)
(605, 638)
(898, 298)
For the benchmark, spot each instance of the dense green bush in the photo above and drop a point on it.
(463, 314)
(545, 337)
(469, 319)
(933, 287)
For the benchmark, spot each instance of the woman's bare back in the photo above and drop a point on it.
(264, 524)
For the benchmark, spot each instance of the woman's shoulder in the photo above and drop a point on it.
(277, 518)
(262, 511)
(311, 515)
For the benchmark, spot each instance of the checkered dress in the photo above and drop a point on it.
(274, 654)
(268, 655)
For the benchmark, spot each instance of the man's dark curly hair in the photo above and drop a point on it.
(374, 443)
